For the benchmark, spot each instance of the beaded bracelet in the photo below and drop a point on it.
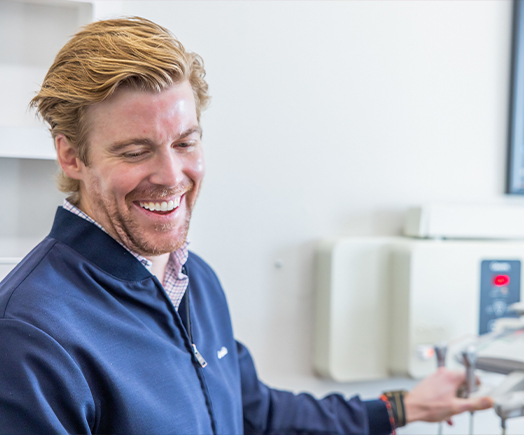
(391, 416)
(396, 401)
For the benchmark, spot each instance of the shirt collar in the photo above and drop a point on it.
(179, 256)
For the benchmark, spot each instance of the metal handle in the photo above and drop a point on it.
(441, 350)
(469, 357)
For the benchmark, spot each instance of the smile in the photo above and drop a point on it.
(161, 206)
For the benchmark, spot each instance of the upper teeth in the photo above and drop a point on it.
(161, 206)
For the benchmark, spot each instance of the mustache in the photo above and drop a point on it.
(159, 192)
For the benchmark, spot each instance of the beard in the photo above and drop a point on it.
(133, 238)
(152, 241)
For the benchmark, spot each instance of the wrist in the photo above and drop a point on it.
(414, 412)
(396, 408)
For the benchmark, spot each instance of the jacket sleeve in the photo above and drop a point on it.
(270, 411)
(42, 390)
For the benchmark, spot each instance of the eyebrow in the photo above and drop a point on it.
(117, 146)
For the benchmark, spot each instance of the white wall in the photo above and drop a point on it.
(332, 118)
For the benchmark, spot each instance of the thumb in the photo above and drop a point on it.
(480, 403)
(472, 404)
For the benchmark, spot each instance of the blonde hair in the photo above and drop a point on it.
(97, 60)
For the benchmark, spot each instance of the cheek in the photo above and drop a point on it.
(196, 168)
(115, 184)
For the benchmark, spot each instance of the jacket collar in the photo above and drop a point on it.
(96, 246)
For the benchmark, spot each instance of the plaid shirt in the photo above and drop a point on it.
(175, 282)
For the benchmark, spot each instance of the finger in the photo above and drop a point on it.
(455, 375)
(473, 404)
(481, 403)
(449, 421)
(460, 405)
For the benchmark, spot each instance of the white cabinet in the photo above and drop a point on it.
(31, 34)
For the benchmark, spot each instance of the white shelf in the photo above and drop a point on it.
(26, 143)
(31, 34)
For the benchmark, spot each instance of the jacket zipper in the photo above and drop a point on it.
(200, 360)
(197, 354)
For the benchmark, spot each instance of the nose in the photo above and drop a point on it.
(167, 170)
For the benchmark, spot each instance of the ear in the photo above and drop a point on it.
(67, 158)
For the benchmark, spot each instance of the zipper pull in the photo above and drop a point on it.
(199, 357)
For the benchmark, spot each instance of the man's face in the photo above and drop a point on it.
(145, 167)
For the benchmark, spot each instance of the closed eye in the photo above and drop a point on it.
(133, 155)
(185, 144)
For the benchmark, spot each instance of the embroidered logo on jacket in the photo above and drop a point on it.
(222, 352)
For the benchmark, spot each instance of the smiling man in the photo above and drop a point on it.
(110, 325)
(144, 171)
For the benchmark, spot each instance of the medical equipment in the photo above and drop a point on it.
(509, 398)
(441, 350)
(383, 302)
(509, 395)
(469, 359)
(465, 221)
(509, 407)
(501, 351)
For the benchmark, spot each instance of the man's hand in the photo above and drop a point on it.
(435, 398)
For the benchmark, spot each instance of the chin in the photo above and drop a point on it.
(160, 246)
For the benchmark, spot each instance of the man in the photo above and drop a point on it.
(110, 325)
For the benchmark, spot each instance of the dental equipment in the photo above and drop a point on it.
(509, 398)
(440, 352)
(469, 358)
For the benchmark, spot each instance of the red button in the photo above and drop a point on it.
(500, 280)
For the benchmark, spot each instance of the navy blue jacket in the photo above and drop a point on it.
(90, 343)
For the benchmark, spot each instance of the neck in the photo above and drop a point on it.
(159, 264)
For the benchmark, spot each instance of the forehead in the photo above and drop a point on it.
(132, 111)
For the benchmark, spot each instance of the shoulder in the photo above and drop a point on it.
(202, 279)
(24, 273)
(198, 268)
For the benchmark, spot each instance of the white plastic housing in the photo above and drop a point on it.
(383, 303)
(464, 221)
